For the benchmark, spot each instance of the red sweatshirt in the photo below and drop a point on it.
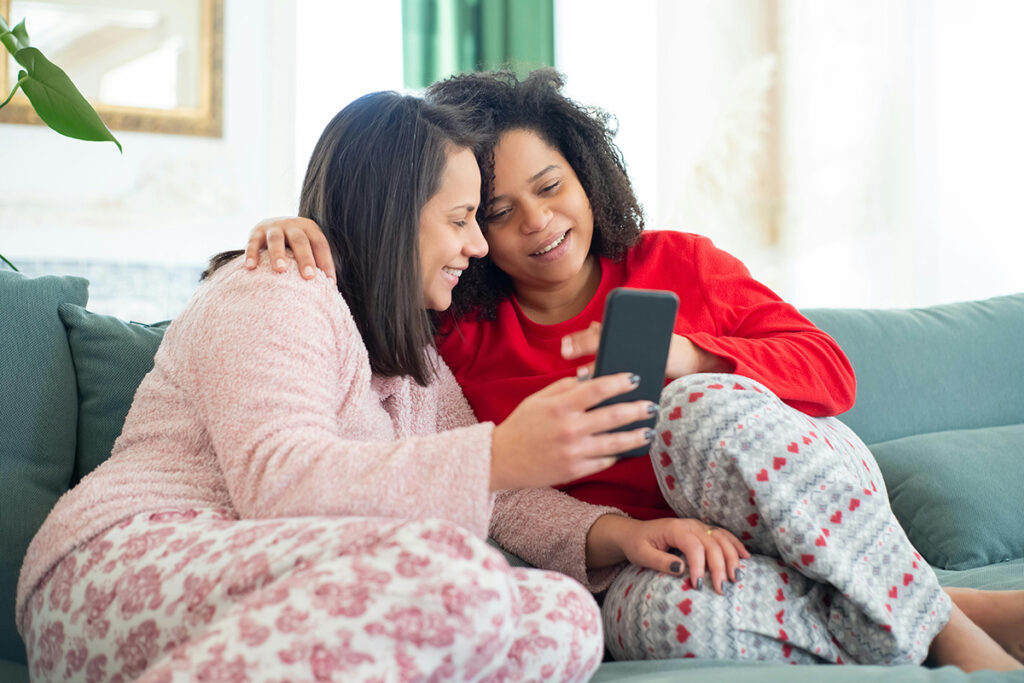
(722, 309)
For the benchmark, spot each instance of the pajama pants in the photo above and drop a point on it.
(188, 595)
(833, 577)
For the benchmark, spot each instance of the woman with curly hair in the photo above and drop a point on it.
(749, 478)
(307, 496)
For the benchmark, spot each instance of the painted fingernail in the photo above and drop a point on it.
(566, 347)
(675, 567)
(582, 374)
(738, 574)
(649, 435)
(279, 264)
(308, 271)
(700, 583)
(250, 263)
(652, 409)
(634, 379)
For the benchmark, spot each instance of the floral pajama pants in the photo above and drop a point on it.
(197, 595)
(833, 577)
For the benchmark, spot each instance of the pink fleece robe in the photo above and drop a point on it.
(261, 401)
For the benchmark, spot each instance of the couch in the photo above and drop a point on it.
(940, 402)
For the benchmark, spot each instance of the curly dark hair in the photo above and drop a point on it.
(496, 102)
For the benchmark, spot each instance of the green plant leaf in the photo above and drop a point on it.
(13, 39)
(20, 34)
(57, 101)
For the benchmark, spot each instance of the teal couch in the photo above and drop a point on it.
(940, 400)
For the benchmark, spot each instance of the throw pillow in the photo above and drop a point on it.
(111, 357)
(38, 414)
(958, 493)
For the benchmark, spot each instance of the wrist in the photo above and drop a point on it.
(498, 476)
(604, 541)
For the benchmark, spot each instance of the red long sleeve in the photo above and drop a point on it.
(722, 309)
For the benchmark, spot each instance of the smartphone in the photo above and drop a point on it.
(635, 337)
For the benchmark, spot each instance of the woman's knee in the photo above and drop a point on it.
(697, 394)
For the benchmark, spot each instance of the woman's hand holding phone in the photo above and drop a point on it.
(684, 357)
(553, 436)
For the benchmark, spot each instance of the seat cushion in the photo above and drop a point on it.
(958, 493)
(111, 357)
(38, 420)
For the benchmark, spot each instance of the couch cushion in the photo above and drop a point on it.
(111, 357)
(38, 416)
(958, 493)
(932, 369)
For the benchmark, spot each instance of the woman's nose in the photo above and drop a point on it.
(475, 245)
(536, 216)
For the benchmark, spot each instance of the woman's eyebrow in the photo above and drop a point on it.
(463, 207)
(531, 179)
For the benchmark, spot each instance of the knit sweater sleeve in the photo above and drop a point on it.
(767, 339)
(548, 529)
(282, 384)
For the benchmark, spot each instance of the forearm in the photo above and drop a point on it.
(549, 529)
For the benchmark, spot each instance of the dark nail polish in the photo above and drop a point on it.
(700, 583)
(652, 409)
(634, 379)
(675, 567)
(649, 435)
(739, 574)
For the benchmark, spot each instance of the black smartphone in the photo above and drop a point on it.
(635, 336)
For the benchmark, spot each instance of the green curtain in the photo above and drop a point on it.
(445, 37)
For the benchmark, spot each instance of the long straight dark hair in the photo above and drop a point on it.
(377, 163)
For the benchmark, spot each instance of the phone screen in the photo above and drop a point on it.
(635, 337)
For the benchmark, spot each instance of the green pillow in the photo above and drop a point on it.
(111, 357)
(38, 414)
(958, 493)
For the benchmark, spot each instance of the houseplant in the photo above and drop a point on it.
(52, 94)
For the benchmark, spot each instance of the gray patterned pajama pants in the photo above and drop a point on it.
(832, 577)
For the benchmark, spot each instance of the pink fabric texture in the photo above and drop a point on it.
(196, 595)
(261, 402)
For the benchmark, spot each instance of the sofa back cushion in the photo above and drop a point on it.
(954, 366)
(111, 357)
(38, 420)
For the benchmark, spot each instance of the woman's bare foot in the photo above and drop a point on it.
(999, 614)
(963, 644)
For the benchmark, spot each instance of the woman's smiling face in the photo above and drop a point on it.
(539, 223)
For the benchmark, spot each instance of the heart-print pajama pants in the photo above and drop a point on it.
(833, 577)
(192, 595)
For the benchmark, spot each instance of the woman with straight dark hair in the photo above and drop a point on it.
(749, 479)
(301, 492)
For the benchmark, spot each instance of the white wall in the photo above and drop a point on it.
(169, 198)
(899, 144)
(898, 171)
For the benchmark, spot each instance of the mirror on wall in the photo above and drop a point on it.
(145, 65)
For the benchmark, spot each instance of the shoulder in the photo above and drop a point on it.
(668, 244)
(238, 305)
(661, 249)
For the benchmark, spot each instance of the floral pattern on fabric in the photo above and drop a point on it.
(197, 595)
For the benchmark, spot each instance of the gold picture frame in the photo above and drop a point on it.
(205, 119)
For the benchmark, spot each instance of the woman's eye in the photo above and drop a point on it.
(498, 215)
(461, 224)
(552, 186)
